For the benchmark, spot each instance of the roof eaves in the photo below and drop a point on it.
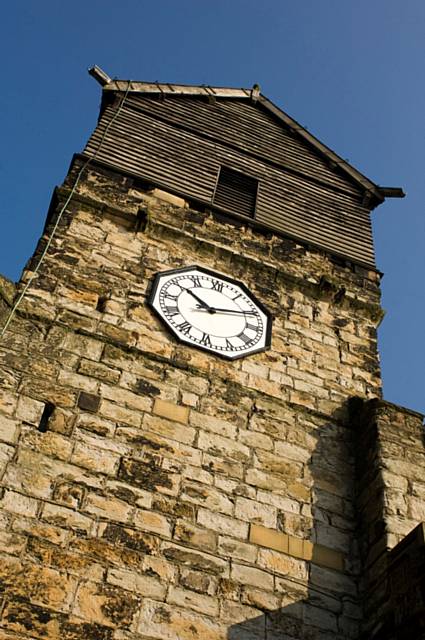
(333, 158)
(176, 89)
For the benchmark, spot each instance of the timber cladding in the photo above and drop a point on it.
(181, 142)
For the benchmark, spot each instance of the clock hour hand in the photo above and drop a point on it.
(215, 309)
(202, 304)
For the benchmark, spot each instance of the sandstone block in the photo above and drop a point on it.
(41, 585)
(48, 443)
(8, 402)
(269, 462)
(255, 440)
(122, 536)
(326, 557)
(83, 346)
(69, 494)
(263, 600)
(67, 518)
(9, 429)
(190, 399)
(88, 401)
(195, 560)
(171, 411)
(125, 397)
(282, 564)
(223, 524)
(151, 521)
(254, 511)
(198, 581)
(99, 370)
(77, 381)
(321, 618)
(213, 424)
(169, 197)
(38, 529)
(208, 497)
(237, 550)
(95, 459)
(106, 507)
(225, 447)
(106, 604)
(88, 298)
(113, 411)
(270, 538)
(20, 504)
(192, 600)
(169, 429)
(234, 487)
(149, 475)
(171, 623)
(281, 502)
(29, 410)
(195, 536)
(130, 494)
(12, 543)
(161, 568)
(252, 576)
(142, 584)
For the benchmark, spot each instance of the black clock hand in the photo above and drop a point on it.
(201, 302)
(215, 309)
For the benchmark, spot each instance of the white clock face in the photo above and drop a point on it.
(211, 311)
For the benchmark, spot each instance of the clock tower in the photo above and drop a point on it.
(193, 440)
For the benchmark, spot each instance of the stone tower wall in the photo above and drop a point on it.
(153, 491)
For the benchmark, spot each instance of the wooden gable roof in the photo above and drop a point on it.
(179, 136)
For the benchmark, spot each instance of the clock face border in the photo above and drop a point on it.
(218, 275)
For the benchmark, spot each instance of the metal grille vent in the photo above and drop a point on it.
(236, 192)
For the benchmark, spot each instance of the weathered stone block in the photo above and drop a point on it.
(195, 560)
(106, 605)
(282, 564)
(153, 522)
(19, 503)
(88, 401)
(252, 576)
(253, 511)
(223, 524)
(167, 621)
(171, 411)
(9, 429)
(142, 584)
(29, 410)
(191, 600)
(95, 459)
(108, 508)
(195, 536)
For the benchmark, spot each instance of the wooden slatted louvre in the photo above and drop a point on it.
(236, 192)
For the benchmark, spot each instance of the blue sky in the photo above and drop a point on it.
(352, 72)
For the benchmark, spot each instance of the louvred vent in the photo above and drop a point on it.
(236, 192)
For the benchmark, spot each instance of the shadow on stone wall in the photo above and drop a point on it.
(326, 605)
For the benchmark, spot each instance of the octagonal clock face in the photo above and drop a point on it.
(210, 311)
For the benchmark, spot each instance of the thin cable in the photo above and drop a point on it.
(59, 217)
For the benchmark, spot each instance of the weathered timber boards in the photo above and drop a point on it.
(159, 152)
(248, 126)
